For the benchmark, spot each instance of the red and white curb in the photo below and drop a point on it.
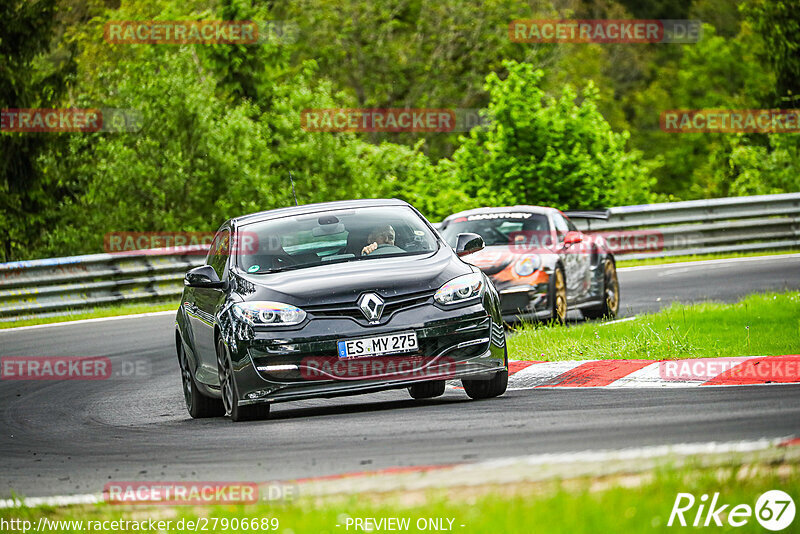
(740, 371)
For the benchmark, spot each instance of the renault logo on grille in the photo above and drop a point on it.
(371, 306)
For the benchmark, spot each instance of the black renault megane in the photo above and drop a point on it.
(333, 299)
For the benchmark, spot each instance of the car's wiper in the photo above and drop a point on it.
(281, 269)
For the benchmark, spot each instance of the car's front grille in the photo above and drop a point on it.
(460, 343)
(391, 306)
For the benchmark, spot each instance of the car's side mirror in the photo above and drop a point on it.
(203, 276)
(467, 243)
(573, 237)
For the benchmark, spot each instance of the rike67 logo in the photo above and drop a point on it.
(774, 510)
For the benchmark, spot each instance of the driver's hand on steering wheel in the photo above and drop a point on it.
(369, 248)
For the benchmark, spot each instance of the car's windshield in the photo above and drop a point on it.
(495, 228)
(335, 236)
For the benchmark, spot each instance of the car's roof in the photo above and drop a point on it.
(305, 209)
(503, 209)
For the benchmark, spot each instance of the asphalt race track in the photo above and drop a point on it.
(71, 437)
(650, 288)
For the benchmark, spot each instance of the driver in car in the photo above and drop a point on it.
(381, 241)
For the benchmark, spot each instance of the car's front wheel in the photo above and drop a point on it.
(427, 390)
(199, 405)
(485, 389)
(230, 395)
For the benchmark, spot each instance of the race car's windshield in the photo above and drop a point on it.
(495, 228)
(334, 236)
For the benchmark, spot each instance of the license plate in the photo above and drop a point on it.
(378, 345)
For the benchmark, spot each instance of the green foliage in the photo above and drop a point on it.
(778, 23)
(760, 170)
(30, 77)
(411, 53)
(542, 150)
(221, 125)
(198, 161)
(715, 73)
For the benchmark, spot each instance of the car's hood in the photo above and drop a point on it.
(344, 282)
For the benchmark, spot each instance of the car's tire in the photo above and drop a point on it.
(427, 390)
(485, 389)
(610, 306)
(558, 302)
(230, 395)
(198, 405)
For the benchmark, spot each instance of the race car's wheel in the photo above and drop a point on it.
(427, 390)
(484, 389)
(559, 300)
(610, 305)
(230, 395)
(198, 405)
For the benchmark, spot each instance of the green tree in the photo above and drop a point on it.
(778, 22)
(717, 72)
(542, 150)
(30, 77)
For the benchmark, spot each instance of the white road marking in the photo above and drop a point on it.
(625, 320)
(649, 377)
(634, 453)
(541, 373)
(59, 500)
(702, 263)
(96, 320)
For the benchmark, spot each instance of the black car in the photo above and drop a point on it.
(335, 299)
(540, 262)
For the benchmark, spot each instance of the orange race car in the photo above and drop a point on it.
(540, 262)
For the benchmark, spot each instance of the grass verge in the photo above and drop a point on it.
(630, 503)
(764, 324)
(622, 262)
(110, 311)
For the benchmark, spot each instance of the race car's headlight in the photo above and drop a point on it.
(460, 289)
(269, 313)
(527, 265)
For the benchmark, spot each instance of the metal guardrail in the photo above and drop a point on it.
(696, 227)
(61, 286)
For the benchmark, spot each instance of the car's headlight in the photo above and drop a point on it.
(269, 313)
(527, 265)
(460, 289)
